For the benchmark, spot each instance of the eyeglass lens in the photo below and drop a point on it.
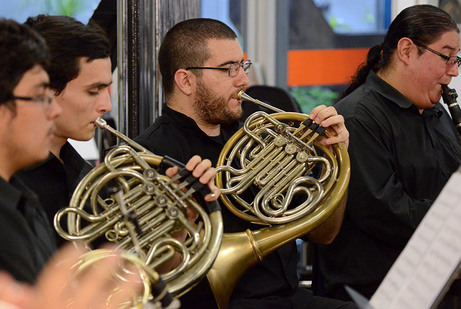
(235, 67)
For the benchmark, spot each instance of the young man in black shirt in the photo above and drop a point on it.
(80, 75)
(203, 69)
(27, 113)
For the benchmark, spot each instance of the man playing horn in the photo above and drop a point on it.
(80, 75)
(203, 69)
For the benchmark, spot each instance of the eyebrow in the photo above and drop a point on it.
(42, 85)
(450, 48)
(98, 85)
(229, 62)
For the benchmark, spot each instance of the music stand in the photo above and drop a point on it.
(429, 263)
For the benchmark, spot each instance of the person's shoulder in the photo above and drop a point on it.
(362, 98)
(161, 128)
(164, 137)
(347, 105)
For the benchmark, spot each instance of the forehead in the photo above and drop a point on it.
(97, 70)
(35, 79)
(449, 40)
(224, 51)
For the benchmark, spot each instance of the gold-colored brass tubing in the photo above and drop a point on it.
(241, 251)
(160, 207)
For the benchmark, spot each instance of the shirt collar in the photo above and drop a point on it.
(387, 91)
(68, 155)
(12, 192)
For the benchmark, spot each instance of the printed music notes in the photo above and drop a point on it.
(427, 266)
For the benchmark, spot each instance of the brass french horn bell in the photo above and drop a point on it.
(299, 184)
(145, 214)
(129, 267)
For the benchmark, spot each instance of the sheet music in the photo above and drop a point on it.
(429, 259)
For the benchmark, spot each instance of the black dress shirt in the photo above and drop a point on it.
(54, 181)
(27, 240)
(400, 161)
(271, 283)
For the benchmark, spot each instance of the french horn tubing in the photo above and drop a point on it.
(145, 213)
(130, 267)
(300, 183)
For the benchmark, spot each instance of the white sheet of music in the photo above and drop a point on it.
(429, 259)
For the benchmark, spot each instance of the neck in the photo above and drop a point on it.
(56, 145)
(210, 130)
(5, 173)
(399, 82)
(186, 109)
(8, 165)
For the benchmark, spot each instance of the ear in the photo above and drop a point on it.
(405, 49)
(185, 81)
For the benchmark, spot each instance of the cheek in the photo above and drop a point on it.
(40, 133)
(35, 140)
(430, 81)
(74, 104)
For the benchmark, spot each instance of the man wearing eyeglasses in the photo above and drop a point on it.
(80, 74)
(203, 69)
(404, 147)
(27, 113)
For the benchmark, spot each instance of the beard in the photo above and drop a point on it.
(212, 109)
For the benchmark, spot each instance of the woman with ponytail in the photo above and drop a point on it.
(403, 147)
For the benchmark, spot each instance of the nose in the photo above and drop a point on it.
(453, 71)
(242, 78)
(104, 105)
(54, 109)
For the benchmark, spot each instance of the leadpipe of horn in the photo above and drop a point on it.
(245, 97)
(102, 124)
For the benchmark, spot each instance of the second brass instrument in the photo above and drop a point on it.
(145, 214)
(130, 267)
(300, 183)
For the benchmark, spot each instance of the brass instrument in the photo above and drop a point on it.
(449, 96)
(281, 160)
(145, 212)
(153, 288)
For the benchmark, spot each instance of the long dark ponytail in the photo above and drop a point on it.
(423, 24)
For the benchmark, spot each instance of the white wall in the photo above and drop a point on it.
(399, 5)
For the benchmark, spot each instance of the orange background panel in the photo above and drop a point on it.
(323, 66)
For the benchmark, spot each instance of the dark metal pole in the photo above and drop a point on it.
(141, 27)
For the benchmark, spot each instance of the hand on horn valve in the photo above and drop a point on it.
(328, 117)
(204, 172)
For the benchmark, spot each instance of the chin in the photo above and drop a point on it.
(85, 137)
(238, 110)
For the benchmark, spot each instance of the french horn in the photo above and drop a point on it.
(127, 200)
(130, 267)
(300, 183)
